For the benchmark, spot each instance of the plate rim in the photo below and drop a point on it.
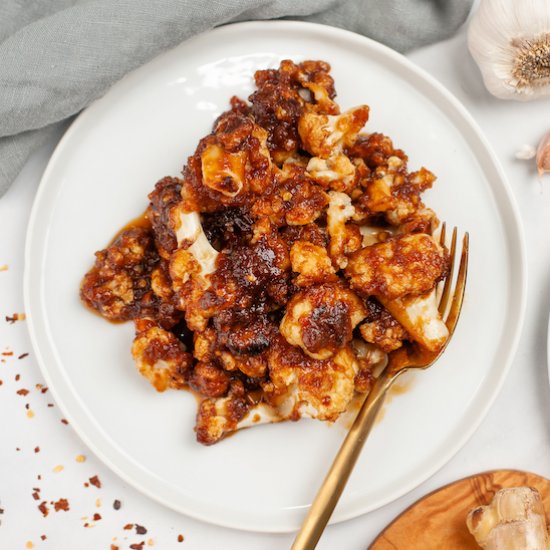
(515, 221)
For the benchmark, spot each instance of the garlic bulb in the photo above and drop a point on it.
(510, 41)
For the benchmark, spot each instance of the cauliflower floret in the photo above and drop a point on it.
(160, 356)
(381, 328)
(336, 172)
(312, 263)
(407, 264)
(344, 239)
(419, 315)
(325, 135)
(321, 319)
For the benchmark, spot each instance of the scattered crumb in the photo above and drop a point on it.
(64, 421)
(22, 391)
(114, 547)
(1, 382)
(15, 317)
(50, 404)
(96, 517)
(86, 484)
(150, 542)
(43, 537)
(27, 406)
(36, 495)
(17, 377)
(29, 544)
(98, 503)
(95, 481)
(43, 507)
(37, 449)
(137, 545)
(23, 355)
(181, 538)
(525, 152)
(128, 526)
(80, 458)
(4, 267)
(39, 477)
(30, 414)
(58, 469)
(140, 530)
(61, 504)
(44, 389)
(17, 448)
(7, 353)
(117, 504)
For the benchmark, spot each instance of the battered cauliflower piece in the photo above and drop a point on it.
(419, 315)
(312, 263)
(382, 329)
(344, 238)
(325, 136)
(160, 356)
(406, 264)
(320, 320)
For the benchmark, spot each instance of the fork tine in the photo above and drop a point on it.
(445, 294)
(458, 295)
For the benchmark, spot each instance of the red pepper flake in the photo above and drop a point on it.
(37, 449)
(15, 317)
(97, 517)
(64, 421)
(86, 484)
(7, 353)
(43, 507)
(128, 526)
(36, 495)
(23, 355)
(117, 504)
(17, 448)
(138, 545)
(140, 530)
(95, 482)
(22, 391)
(114, 547)
(44, 389)
(181, 538)
(17, 377)
(61, 504)
(1, 382)
(50, 404)
(43, 537)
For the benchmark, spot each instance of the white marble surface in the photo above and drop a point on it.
(515, 433)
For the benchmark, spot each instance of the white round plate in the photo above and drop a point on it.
(144, 128)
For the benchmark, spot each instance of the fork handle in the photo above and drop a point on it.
(335, 481)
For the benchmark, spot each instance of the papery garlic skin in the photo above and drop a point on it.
(510, 42)
(543, 155)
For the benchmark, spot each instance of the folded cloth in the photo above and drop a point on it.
(57, 56)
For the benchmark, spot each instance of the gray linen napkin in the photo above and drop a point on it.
(57, 56)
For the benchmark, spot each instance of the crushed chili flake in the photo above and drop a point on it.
(39, 477)
(181, 538)
(27, 406)
(128, 526)
(64, 421)
(1, 511)
(43, 507)
(50, 404)
(95, 482)
(61, 504)
(37, 449)
(22, 391)
(15, 317)
(86, 484)
(137, 545)
(114, 547)
(97, 517)
(44, 389)
(23, 355)
(17, 448)
(43, 537)
(140, 530)
(36, 495)
(7, 353)
(17, 377)
(117, 504)
(1, 382)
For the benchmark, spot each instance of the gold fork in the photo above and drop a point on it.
(399, 361)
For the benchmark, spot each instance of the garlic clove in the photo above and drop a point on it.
(543, 155)
(510, 42)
